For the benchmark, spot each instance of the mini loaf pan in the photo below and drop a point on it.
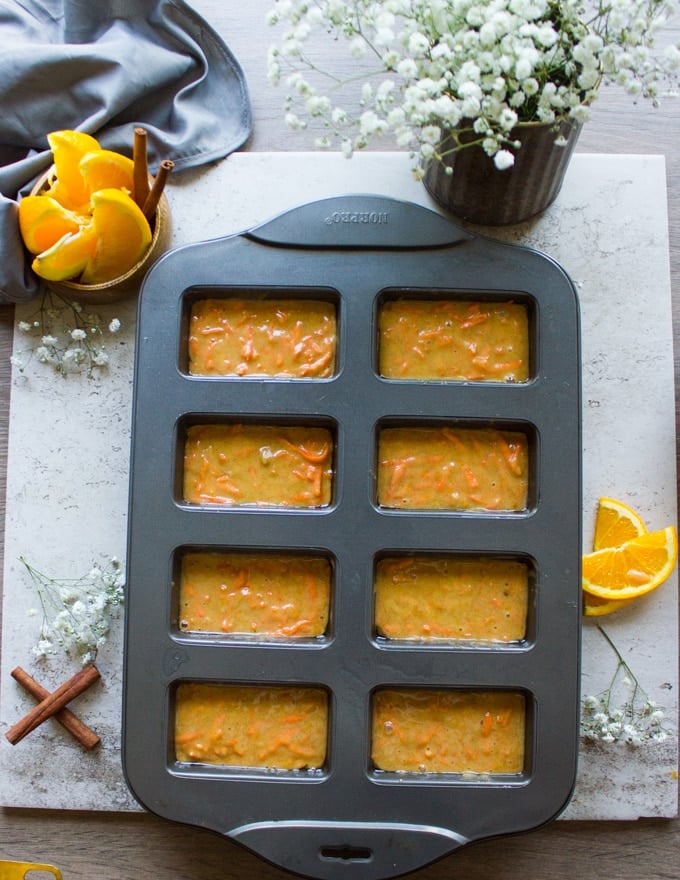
(349, 814)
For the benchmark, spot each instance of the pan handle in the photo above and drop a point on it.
(352, 850)
(358, 222)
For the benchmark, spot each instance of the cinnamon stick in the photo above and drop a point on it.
(140, 174)
(68, 691)
(85, 735)
(157, 188)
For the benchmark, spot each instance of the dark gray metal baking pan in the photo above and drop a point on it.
(348, 820)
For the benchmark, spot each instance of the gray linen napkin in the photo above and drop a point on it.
(105, 66)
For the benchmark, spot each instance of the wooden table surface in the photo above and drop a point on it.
(111, 846)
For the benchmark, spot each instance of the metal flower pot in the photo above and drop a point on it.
(476, 191)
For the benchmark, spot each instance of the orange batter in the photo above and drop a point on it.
(281, 728)
(455, 340)
(452, 468)
(293, 338)
(278, 595)
(448, 731)
(262, 465)
(445, 597)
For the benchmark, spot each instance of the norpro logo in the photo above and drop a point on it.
(373, 218)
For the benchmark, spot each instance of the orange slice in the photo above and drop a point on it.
(68, 148)
(594, 606)
(633, 569)
(68, 257)
(43, 221)
(123, 236)
(104, 169)
(615, 524)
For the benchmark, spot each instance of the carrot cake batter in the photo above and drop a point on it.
(454, 340)
(452, 468)
(293, 338)
(285, 596)
(446, 597)
(261, 465)
(448, 731)
(281, 728)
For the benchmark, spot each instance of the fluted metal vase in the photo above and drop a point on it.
(478, 192)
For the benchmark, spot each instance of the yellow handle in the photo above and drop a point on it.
(19, 870)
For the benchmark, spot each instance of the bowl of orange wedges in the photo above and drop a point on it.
(627, 561)
(96, 221)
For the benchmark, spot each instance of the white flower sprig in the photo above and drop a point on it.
(67, 337)
(472, 68)
(77, 612)
(636, 721)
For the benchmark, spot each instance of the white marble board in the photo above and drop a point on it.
(69, 445)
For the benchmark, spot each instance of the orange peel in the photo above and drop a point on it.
(123, 236)
(627, 561)
(85, 226)
(594, 606)
(105, 169)
(67, 257)
(616, 523)
(68, 148)
(43, 221)
(637, 567)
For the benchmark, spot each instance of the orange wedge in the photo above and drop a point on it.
(104, 169)
(43, 221)
(68, 148)
(615, 524)
(123, 235)
(68, 257)
(637, 567)
(594, 606)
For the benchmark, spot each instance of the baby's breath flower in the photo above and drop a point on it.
(357, 47)
(482, 64)
(77, 613)
(431, 134)
(100, 358)
(418, 45)
(407, 69)
(67, 338)
(293, 121)
(507, 119)
(635, 721)
(43, 648)
(503, 159)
